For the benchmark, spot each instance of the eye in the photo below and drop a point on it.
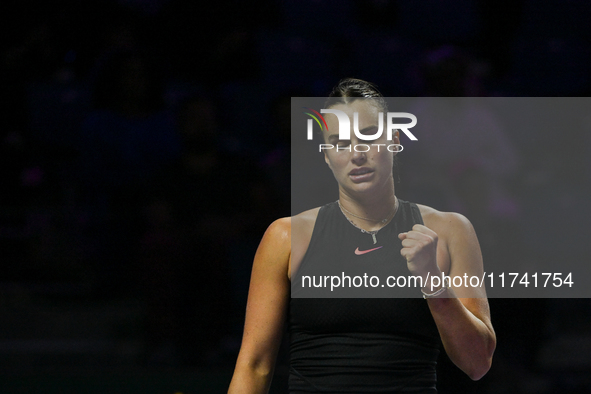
(369, 131)
(343, 143)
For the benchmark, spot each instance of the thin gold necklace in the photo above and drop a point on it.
(382, 221)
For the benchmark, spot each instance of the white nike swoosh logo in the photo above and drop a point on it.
(360, 252)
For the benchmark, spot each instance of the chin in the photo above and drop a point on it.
(362, 187)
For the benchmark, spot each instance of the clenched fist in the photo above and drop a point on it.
(419, 248)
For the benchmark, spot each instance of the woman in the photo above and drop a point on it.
(373, 345)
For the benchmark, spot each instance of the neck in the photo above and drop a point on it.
(372, 206)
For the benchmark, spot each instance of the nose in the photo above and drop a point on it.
(358, 158)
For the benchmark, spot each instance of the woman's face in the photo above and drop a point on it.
(360, 172)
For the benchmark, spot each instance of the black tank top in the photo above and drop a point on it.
(360, 345)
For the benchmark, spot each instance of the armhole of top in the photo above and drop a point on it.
(416, 214)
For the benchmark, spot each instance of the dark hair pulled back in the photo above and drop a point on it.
(351, 89)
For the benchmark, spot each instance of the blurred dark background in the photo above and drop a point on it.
(145, 148)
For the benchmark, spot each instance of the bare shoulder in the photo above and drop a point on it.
(285, 234)
(302, 226)
(276, 239)
(280, 229)
(306, 218)
(445, 224)
(274, 249)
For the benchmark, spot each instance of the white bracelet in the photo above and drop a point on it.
(438, 292)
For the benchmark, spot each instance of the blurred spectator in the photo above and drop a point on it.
(276, 162)
(464, 154)
(195, 212)
(129, 134)
(221, 47)
(125, 140)
(501, 21)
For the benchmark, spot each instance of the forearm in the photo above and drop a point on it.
(468, 341)
(248, 379)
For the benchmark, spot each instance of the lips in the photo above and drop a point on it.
(360, 171)
(361, 174)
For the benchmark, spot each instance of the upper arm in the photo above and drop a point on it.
(268, 296)
(465, 255)
(466, 262)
